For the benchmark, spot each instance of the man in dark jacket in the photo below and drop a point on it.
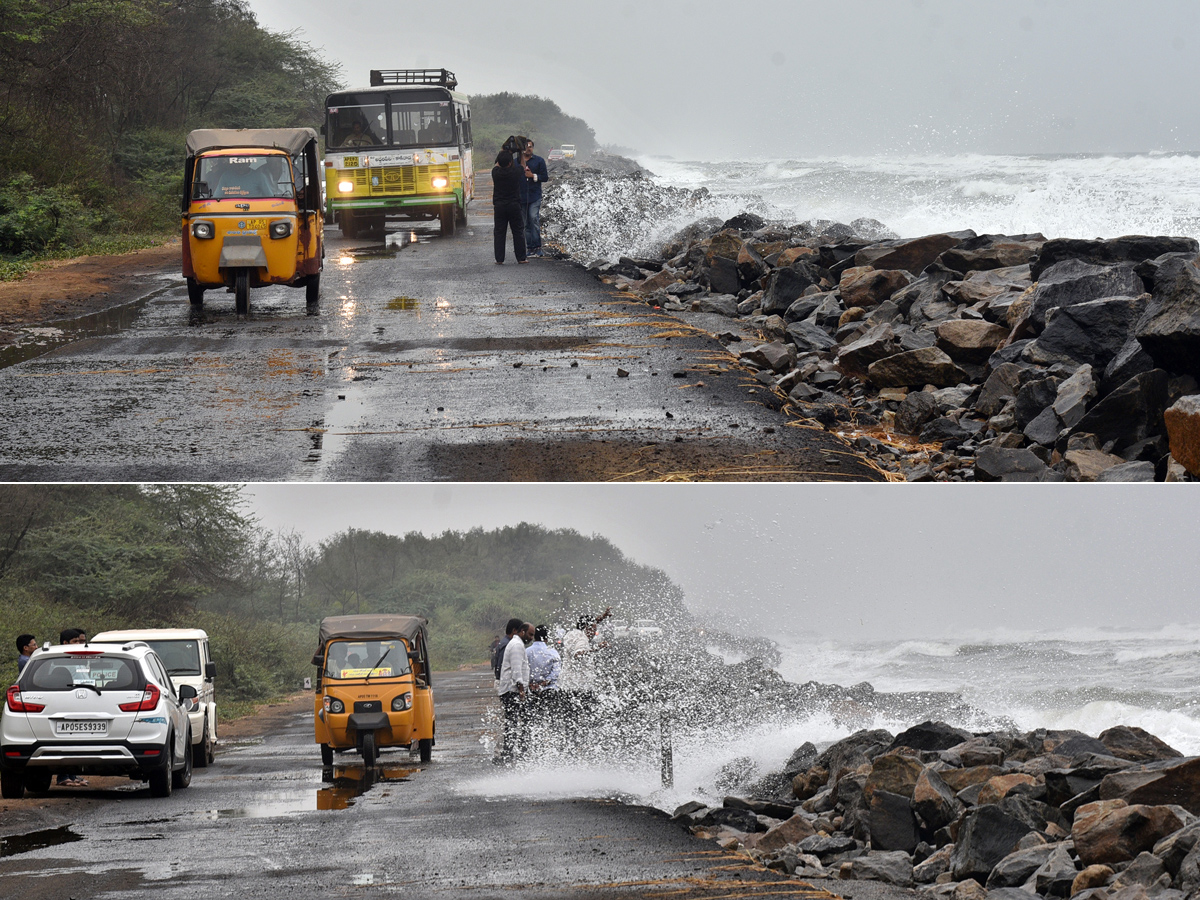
(507, 178)
(536, 174)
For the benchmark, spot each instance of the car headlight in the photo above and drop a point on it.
(440, 182)
(345, 186)
(333, 705)
(401, 703)
(281, 229)
(202, 230)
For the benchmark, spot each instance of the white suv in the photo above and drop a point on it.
(188, 660)
(95, 709)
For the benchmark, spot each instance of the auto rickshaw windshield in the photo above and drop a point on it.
(242, 177)
(355, 659)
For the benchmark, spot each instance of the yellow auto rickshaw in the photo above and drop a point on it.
(252, 212)
(373, 686)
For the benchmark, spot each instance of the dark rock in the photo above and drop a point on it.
(802, 758)
(809, 337)
(1044, 428)
(744, 221)
(750, 266)
(930, 735)
(1111, 832)
(1131, 413)
(871, 287)
(828, 312)
(1074, 395)
(925, 292)
(1157, 783)
(1130, 472)
(792, 830)
(891, 823)
(805, 306)
(1136, 744)
(970, 340)
(915, 368)
(1016, 868)
(916, 409)
(851, 752)
(941, 430)
(1093, 332)
(1000, 387)
(1130, 360)
(934, 801)
(991, 251)
(936, 864)
(987, 835)
(1072, 282)
(720, 275)
(773, 356)
(1002, 464)
(823, 846)
(1146, 870)
(1174, 847)
(911, 255)
(1131, 249)
(786, 285)
(1033, 396)
(889, 867)
(762, 807)
(875, 344)
(740, 819)
(1056, 875)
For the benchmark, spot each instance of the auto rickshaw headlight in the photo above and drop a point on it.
(202, 230)
(333, 705)
(401, 703)
(440, 182)
(281, 229)
(345, 186)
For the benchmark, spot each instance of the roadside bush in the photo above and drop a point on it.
(35, 218)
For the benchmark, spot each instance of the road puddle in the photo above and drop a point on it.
(37, 840)
(31, 343)
(341, 787)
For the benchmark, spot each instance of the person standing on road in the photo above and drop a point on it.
(506, 206)
(545, 664)
(513, 688)
(536, 174)
(26, 644)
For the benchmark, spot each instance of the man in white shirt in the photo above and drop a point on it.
(513, 687)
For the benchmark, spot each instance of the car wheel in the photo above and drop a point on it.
(181, 778)
(202, 752)
(160, 779)
(425, 747)
(38, 781)
(12, 785)
(369, 753)
(326, 755)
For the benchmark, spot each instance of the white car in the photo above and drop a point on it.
(188, 660)
(646, 628)
(95, 709)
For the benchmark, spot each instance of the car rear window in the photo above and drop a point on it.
(64, 673)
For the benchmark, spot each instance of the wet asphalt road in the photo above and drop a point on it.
(426, 362)
(265, 821)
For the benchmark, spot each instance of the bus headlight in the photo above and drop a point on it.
(345, 187)
(281, 229)
(202, 230)
(440, 182)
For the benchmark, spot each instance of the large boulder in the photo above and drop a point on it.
(878, 342)
(1014, 870)
(998, 286)
(912, 255)
(970, 340)
(893, 867)
(1073, 396)
(1170, 331)
(1056, 875)
(784, 286)
(986, 835)
(1136, 744)
(1001, 386)
(934, 801)
(1129, 249)
(1112, 831)
(1093, 332)
(916, 368)
(790, 831)
(993, 251)
(868, 287)
(916, 410)
(930, 735)
(891, 823)
(895, 773)
(1008, 464)
(1182, 420)
(1072, 282)
(809, 337)
(1131, 413)
(1156, 784)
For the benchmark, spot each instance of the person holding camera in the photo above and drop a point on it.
(508, 180)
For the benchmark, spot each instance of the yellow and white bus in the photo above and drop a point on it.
(401, 147)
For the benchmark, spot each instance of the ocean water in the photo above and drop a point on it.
(1089, 681)
(1092, 196)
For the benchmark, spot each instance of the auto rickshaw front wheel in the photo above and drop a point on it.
(195, 292)
(326, 755)
(312, 289)
(425, 748)
(369, 753)
(241, 291)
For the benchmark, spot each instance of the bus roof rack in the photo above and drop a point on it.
(443, 77)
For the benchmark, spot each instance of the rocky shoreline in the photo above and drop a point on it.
(968, 815)
(948, 357)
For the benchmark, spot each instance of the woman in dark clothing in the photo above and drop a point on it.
(506, 203)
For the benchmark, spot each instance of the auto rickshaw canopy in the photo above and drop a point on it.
(372, 628)
(290, 140)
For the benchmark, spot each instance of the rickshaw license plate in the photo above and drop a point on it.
(253, 224)
(81, 727)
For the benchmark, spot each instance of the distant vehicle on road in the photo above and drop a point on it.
(646, 628)
(568, 150)
(95, 709)
(374, 687)
(556, 154)
(185, 653)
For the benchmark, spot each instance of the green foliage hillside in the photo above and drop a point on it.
(496, 116)
(100, 557)
(96, 97)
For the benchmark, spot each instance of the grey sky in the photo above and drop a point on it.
(846, 561)
(708, 79)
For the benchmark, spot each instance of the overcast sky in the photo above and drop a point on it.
(845, 561)
(764, 78)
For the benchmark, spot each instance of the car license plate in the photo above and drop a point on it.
(72, 727)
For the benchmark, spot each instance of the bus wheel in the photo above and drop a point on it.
(195, 293)
(347, 224)
(447, 215)
(241, 291)
(461, 212)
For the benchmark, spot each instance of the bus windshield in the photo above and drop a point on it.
(403, 120)
(241, 177)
